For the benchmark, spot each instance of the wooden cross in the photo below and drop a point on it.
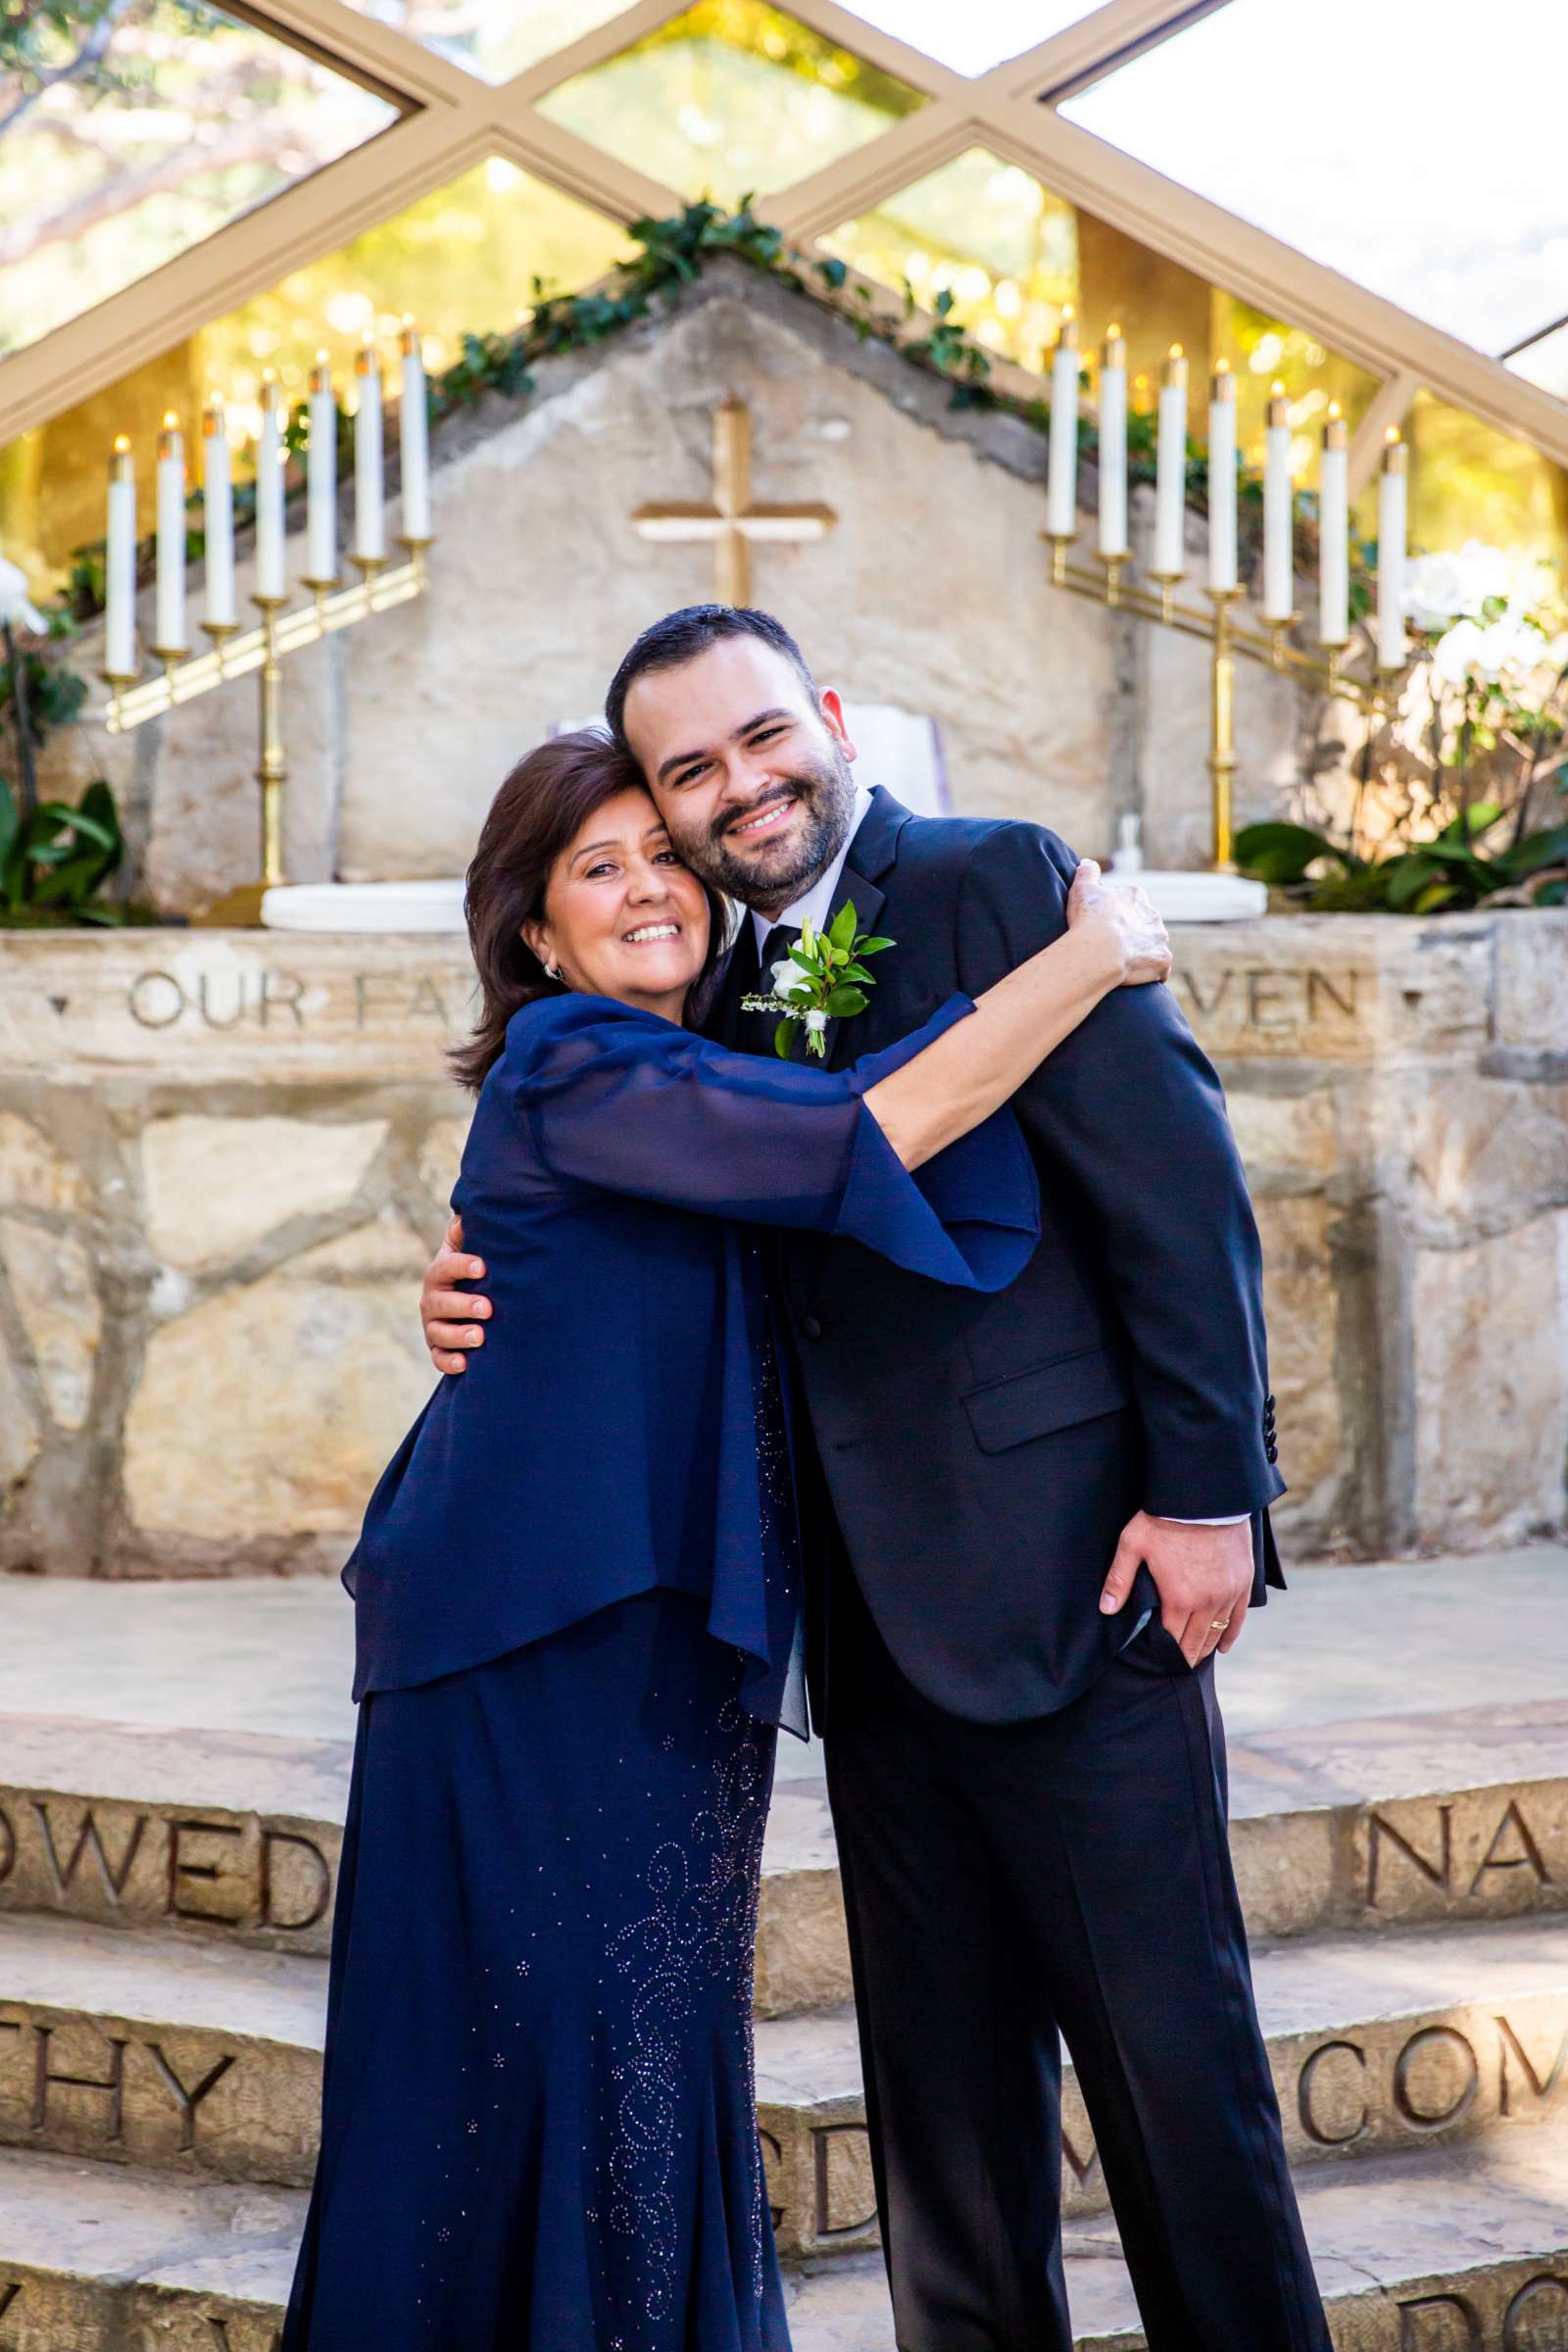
(732, 522)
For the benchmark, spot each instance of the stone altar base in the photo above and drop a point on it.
(226, 1157)
(166, 1879)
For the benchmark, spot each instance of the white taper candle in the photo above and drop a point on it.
(1222, 477)
(369, 498)
(1278, 560)
(270, 579)
(1170, 467)
(169, 599)
(217, 517)
(1062, 491)
(1113, 443)
(119, 568)
(1334, 533)
(1394, 495)
(321, 517)
(414, 443)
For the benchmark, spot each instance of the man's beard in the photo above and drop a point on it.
(825, 791)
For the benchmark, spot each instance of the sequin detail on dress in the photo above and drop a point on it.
(699, 1936)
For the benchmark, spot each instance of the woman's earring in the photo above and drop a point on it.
(553, 971)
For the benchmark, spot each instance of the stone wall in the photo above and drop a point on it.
(931, 593)
(226, 1156)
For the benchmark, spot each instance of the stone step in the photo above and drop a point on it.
(1387, 1822)
(1392, 1821)
(1379, 2048)
(151, 2048)
(1437, 2253)
(1434, 2253)
(104, 2258)
(229, 1834)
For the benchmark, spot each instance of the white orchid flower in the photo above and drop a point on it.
(1457, 583)
(14, 603)
(788, 979)
(1455, 652)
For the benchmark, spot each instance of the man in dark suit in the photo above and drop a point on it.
(1032, 1519)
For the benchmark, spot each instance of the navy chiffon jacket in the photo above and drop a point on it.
(605, 1441)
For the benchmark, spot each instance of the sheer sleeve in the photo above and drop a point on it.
(617, 1100)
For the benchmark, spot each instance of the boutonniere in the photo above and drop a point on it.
(822, 979)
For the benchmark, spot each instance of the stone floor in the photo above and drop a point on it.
(272, 1654)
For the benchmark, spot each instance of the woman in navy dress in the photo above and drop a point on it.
(538, 2128)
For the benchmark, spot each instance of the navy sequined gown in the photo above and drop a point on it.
(577, 1601)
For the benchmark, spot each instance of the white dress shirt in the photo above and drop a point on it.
(816, 908)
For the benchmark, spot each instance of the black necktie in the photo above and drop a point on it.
(756, 1028)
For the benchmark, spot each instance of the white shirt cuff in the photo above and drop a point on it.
(1234, 1519)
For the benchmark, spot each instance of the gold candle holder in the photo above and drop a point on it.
(1060, 542)
(1167, 582)
(1222, 730)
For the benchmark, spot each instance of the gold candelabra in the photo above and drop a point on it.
(1227, 639)
(134, 700)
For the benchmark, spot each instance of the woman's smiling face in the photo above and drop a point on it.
(623, 917)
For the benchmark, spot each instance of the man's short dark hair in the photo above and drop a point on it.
(679, 638)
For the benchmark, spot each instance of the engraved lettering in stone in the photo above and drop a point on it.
(1080, 2167)
(1545, 2298)
(206, 999)
(1221, 990)
(426, 1000)
(823, 2225)
(113, 2086)
(1431, 2037)
(1455, 2324)
(1318, 984)
(150, 1006)
(1263, 1001)
(772, 2165)
(364, 984)
(270, 1914)
(7, 1845)
(187, 2101)
(89, 1841)
(1542, 2089)
(1303, 2096)
(1530, 1859)
(180, 1868)
(285, 991)
(223, 2341)
(1438, 1874)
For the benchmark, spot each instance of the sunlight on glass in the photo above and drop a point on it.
(1419, 155)
(460, 260)
(1263, 352)
(119, 152)
(1469, 481)
(730, 97)
(973, 37)
(984, 232)
(492, 38)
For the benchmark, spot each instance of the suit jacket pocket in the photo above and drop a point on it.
(1050, 1397)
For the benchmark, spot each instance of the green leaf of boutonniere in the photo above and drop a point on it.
(831, 986)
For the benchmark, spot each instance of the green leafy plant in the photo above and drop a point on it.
(1451, 871)
(830, 983)
(55, 859)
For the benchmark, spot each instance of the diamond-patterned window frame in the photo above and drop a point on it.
(454, 120)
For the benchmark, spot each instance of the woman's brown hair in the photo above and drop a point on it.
(541, 808)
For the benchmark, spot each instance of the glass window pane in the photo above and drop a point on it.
(1469, 481)
(462, 257)
(1012, 254)
(184, 119)
(984, 232)
(492, 38)
(1419, 155)
(973, 38)
(729, 98)
(1546, 361)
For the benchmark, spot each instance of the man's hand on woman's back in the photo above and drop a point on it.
(452, 1319)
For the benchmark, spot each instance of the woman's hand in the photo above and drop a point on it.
(1119, 919)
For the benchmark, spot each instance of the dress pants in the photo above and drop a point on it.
(1067, 1875)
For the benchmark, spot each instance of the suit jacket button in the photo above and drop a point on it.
(811, 1327)
(1272, 1450)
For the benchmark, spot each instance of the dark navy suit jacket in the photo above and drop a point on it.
(983, 1453)
(605, 1441)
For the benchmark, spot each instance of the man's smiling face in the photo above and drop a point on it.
(752, 778)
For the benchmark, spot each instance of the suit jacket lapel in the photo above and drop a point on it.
(860, 889)
(738, 978)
